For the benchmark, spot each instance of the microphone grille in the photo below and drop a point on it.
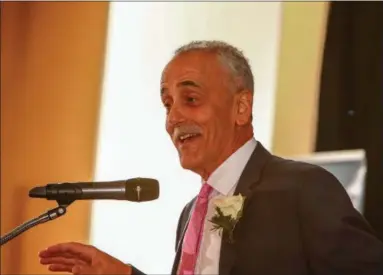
(142, 189)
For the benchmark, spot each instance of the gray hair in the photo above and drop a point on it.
(230, 56)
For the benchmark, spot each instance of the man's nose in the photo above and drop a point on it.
(175, 116)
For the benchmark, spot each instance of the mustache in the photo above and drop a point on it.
(185, 129)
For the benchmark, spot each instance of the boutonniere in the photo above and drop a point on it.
(228, 211)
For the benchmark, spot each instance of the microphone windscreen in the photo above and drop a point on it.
(142, 189)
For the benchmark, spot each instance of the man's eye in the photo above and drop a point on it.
(167, 106)
(191, 99)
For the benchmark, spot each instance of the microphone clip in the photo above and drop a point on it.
(63, 202)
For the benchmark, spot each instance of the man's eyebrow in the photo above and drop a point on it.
(184, 83)
(188, 83)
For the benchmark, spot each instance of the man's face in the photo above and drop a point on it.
(201, 108)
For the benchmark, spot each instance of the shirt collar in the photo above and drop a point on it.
(225, 178)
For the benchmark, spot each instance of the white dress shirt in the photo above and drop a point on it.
(224, 181)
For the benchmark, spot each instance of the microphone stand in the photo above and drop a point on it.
(48, 216)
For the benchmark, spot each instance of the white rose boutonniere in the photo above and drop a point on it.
(228, 212)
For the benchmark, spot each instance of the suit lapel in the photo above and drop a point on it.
(186, 220)
(249, 179)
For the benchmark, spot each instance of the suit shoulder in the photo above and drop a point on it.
(294, 166)
(311, 184)
(297, 173)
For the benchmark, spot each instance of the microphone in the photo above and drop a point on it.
(136, 190)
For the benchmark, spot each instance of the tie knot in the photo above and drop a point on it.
(205, 190)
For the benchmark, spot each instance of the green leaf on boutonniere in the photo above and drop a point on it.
(222, 223)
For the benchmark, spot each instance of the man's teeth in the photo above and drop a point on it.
(183, 137)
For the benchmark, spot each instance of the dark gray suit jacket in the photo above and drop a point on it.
(298, 220)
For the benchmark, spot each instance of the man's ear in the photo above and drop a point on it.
(244, 101)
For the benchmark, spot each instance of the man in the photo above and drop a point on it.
(296, 218)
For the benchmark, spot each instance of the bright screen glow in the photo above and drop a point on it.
(132, 139)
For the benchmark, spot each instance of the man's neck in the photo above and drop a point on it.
(237, 143)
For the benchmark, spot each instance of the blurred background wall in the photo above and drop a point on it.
(52, 64)
(51, 74)
(299, 69)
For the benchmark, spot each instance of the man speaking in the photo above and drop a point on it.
(255, 213)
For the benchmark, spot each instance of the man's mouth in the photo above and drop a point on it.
(187, 138)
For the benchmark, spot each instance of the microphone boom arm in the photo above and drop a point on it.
(48, 216)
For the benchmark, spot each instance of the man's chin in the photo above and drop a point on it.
(189, 163)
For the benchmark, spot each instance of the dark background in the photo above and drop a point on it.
(351, 93)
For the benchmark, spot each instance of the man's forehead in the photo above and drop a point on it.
(180, 71)
(189, 63)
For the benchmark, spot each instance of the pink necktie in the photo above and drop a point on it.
(192, 239)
